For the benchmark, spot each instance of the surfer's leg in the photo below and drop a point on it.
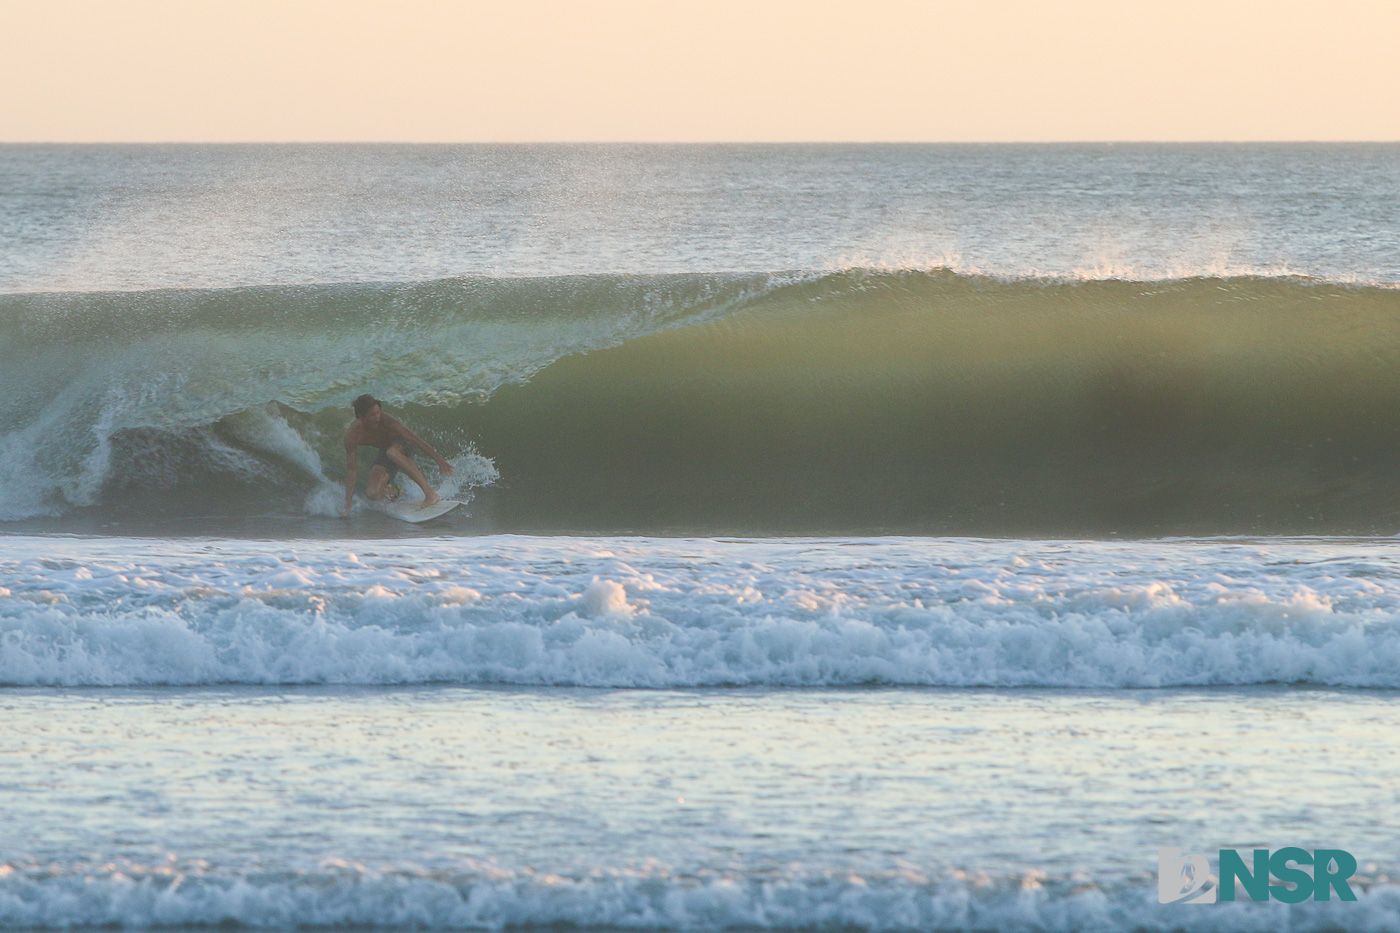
(404, 462)
(378, 483)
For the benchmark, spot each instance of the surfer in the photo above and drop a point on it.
(373, 428)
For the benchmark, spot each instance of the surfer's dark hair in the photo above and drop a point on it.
(364, 403)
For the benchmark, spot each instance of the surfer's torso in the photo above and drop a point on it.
(387, 432)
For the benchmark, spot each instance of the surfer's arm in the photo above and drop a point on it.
(443, 466)
(350, 475)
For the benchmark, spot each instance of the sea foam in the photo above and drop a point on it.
(693, 613)
(489, 897)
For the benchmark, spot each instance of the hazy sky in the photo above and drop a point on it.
(679, 70)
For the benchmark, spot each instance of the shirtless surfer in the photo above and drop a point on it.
(373, 428)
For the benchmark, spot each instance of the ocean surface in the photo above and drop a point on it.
(857, 538)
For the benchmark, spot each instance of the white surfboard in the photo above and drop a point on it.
(415, 511)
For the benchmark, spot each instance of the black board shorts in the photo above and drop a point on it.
(383, 459)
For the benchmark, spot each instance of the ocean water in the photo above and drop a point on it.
(857, 537)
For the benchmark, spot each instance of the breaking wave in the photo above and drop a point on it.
(848, 402)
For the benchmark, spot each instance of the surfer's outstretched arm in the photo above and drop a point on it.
(350, 477)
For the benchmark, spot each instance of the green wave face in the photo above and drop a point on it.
(854, 402)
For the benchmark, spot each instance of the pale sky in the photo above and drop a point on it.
(684, 71)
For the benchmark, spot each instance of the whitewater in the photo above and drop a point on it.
(871, 538)
(661, 613)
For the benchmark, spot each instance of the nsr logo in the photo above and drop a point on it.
(1184, 878)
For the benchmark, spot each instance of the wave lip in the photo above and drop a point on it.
(664, 614)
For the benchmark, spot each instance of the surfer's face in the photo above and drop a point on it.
(372, 416)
